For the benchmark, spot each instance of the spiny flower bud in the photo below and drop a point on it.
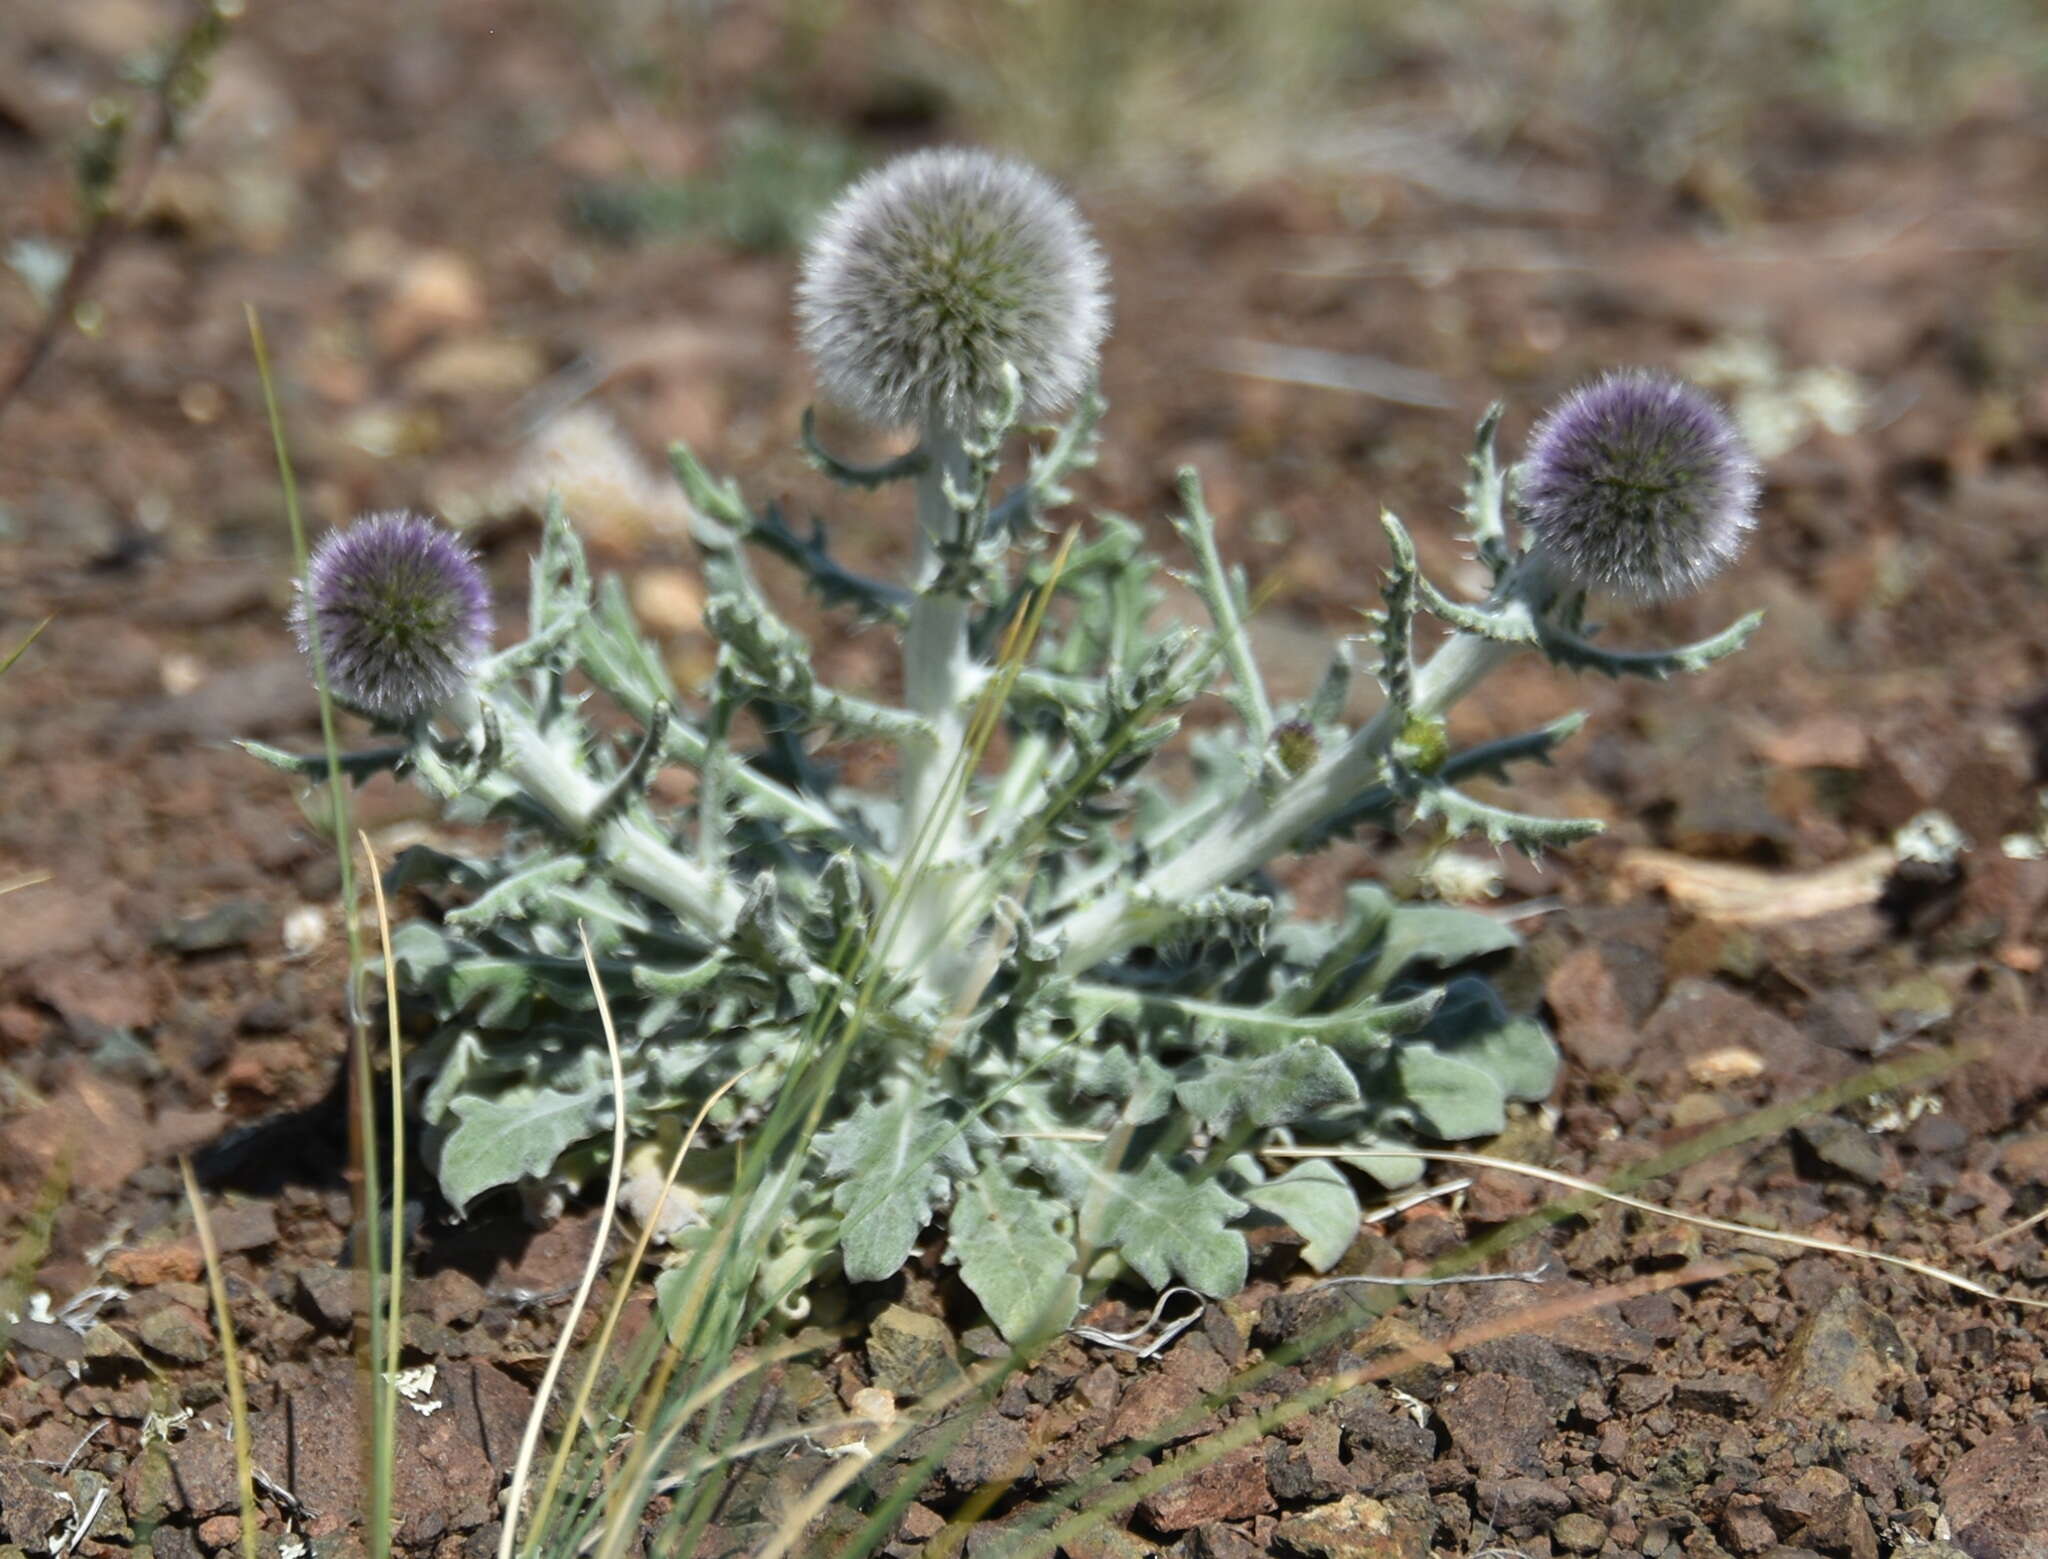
(403, 614)
(1638, 484)
(931, 273)
(1296, 744)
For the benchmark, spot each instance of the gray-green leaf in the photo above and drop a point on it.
(1270, 1090)
(1474, 1025)
(895, 1159)
(1453, 1099)
(522, 1130)
(1163, 1223)
(1012, 1252)
(1317, 1202)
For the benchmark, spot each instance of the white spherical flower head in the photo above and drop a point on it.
(931, 273)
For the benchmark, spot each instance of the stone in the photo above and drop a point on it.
(146, 1266)
(148, 1488)
(330, 1295)
(1996, 1496)
(95, 1126)
(1313, 1471)
(1821, 1507)
(451, 1297)
(1420, 1364)
(1374, 1427)
(1734, 1395)
(234, 924)
(1497, 1422)
(1520, 1504)
(1322, 1316)
(1565, 1357)
(1745, 1527)
(1847, 1358)
(110, 1352)
(33, 1505)
(1846, 1148)
(168, 1542)
(1589, 1015)
(994, 1449)
(1639, 1393)
(1355, 1527)
(202, 1475)
(1109, 1541)
(433, 291)
(219, 1532)
(1578, 1533)
(49, 1339)
(1162, 1401)
(910, 1353)
(243, 1226)
(1231, 1488)
(450, 1460)
(1701, 1017)
(1219, 1543)
(176, 1333)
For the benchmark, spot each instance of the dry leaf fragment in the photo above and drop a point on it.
(1756, 896)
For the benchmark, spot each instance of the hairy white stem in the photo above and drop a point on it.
(707, 902)
(940, 680)
(1256, 831)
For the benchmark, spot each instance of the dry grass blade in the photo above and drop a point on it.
(34, 880)
(601, 1345)
(529, 1442)
(1593, 1188)
(231, 1361)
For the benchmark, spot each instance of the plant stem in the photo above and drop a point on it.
(940, 679)
(1252, 833)
(707, 902)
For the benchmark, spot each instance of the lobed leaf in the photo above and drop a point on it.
(1013, 1250)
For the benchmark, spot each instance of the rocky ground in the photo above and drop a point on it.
(408, 204)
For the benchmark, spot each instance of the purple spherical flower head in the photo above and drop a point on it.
(403, 614)
(1638, 484)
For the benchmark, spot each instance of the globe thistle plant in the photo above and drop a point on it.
(1638, 484)
(397, 611)
(1058, 1006)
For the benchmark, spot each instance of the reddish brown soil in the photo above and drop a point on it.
(389, 191)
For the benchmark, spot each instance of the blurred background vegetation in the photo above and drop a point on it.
(1157, 93)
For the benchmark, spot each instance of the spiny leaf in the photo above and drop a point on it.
(1462, 814)
(1581, 654)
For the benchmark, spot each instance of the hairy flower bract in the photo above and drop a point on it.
(933, 272)
(1638, 484)
(402, 614)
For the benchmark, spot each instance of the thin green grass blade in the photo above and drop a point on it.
(21, 649)
(379, 1452)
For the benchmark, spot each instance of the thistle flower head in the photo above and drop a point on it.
(1638, 484)
(402, 611)
(931, 273)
